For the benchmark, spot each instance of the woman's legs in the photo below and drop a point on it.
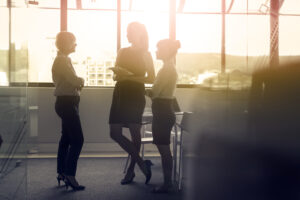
(76, 139)
(135, 132)
(63, 148)
(127, 145)
(166, 160)
(71, 141)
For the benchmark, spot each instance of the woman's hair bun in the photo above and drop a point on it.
(169, 45)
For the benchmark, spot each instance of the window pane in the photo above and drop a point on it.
(247, 47)
(103, 4)
(247, 35)
(94, 4)
(290, 7)
(4, 46)
(96, 45)
(254, 6)
(289, 40)
(49, 3)
(258, 41)
(202, 6)
(3, 3)
(199, 55)
(34, 4)
(150, 6)
(19, 45)
(18, 3)
(34, 32)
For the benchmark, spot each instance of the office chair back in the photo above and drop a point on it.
(186, 122)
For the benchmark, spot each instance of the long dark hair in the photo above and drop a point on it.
(134, 27)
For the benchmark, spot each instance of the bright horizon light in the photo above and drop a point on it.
(96, 31)
(245, 35)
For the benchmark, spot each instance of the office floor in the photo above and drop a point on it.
(101, 176)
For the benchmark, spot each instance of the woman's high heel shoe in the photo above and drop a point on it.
(128, 178)
(73, 184)
(59, 178)
(148, 174)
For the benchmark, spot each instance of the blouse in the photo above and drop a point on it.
(165, 82)
(66, 82)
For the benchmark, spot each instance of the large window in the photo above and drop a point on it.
(33, 38)
(247, 48)
(199, 55)
(96, 33)
(247, 40)
(198, 27)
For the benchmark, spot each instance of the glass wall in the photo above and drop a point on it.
(13, 102)
(4, 45)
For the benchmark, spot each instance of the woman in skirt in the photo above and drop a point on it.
(162, 94)
(133, 68)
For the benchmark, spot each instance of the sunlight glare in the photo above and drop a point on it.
(3, 79)
(202, 77)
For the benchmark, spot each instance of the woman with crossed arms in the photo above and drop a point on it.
(67, 91)
(162, 95)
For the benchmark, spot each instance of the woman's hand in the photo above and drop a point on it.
(117, 77)
(81, 84)
(121, 71)
(149, 68)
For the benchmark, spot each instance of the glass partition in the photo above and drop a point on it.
(4, 46)
(13, 107)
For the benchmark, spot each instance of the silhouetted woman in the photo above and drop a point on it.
(162, 94)
(134, 67)
(67, 92)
